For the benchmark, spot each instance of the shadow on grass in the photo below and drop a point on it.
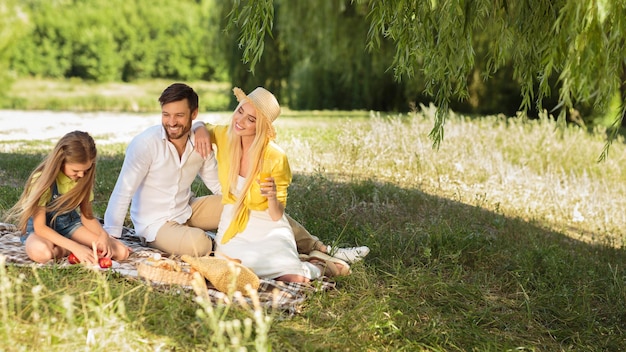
(441, 275)
(446, 275)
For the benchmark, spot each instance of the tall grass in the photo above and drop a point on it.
(528, 169)
(509, 237)
(42, 316)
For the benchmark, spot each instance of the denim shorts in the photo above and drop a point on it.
(65, 224)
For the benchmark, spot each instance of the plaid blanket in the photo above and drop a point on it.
(287, 297)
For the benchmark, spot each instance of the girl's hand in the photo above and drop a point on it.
(104, 246)
(268, 188)
(84, 254)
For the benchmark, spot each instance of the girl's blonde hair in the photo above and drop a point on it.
(75, 147)
(255, 157)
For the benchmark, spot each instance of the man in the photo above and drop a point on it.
(159, 168)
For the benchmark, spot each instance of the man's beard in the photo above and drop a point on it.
(184, 131)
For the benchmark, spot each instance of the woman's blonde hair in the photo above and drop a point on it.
(255, 156)
(75, 147)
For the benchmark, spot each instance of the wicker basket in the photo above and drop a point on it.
(162, 276)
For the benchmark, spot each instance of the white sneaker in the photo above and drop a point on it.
(349, 254)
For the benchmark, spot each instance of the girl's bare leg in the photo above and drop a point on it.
(86, 237)
(120, 251)
(41, 250)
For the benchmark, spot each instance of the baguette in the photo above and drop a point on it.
(226, 275)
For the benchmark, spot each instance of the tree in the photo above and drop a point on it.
(581, 42)
(320, 65)
(13, 25)
(111, 40)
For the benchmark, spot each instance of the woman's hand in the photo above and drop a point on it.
(268, 188)
(203, 142)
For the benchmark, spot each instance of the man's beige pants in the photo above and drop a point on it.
(190, 238)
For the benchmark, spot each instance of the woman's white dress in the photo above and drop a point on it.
(266, 246)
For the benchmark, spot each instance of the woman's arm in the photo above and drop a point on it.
(202, 138)
(274, 188)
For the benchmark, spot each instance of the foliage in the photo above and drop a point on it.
(269, 73)
(119, 40)
(476, 57)
(12, 26)
(581, 41)
(315, 59)
(251, 18)
(331, 69)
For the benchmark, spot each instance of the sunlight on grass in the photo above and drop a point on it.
(78, 95)
(510, 237)
(521, 168)
(38, 317)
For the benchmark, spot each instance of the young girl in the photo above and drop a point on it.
(253, 226)
(47, 211)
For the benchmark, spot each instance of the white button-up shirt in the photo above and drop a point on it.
(159, 183)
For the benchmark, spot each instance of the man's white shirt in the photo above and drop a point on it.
(157, 184)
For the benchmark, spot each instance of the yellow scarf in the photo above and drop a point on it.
(240, 219)
(252, 200)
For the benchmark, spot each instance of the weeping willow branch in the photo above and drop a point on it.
(580, 41)
(255, 19)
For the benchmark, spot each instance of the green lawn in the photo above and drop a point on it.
(509, 237)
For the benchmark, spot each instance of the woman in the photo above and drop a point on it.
(253, 226)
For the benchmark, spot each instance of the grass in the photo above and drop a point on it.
(510, 237)
(78, 95)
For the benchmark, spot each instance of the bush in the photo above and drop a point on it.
(114, 40)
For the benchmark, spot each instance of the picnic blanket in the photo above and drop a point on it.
(286, 297)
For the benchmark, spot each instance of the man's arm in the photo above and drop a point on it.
(135, 168)
(208, 174)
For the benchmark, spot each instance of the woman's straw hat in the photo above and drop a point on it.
(265, 104)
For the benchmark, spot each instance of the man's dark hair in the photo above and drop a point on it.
(177, 92)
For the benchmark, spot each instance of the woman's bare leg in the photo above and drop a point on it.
(293, 278)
